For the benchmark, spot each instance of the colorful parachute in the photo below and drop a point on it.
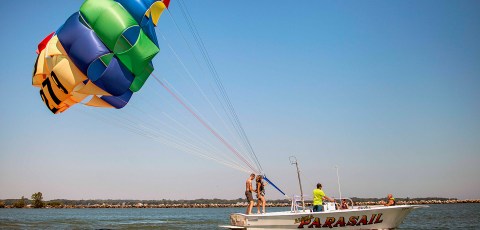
(101, 54)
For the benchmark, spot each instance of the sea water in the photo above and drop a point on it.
(443, 216)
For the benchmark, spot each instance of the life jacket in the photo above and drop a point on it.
(393, 199)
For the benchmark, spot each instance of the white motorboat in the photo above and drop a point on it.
(355, 217)
(352, 217)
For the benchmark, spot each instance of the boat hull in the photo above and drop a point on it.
(375, 217)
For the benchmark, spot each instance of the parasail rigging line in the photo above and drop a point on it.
(243, 146)
(197, 139)
(189, 145)
(202, 51)
(213, 148)
(203, 71)
(216, 77)
(218, 136)
(178, 140)
(194, 110)
(142, 130)
(167, 125)
(181, 136)
(202, 92)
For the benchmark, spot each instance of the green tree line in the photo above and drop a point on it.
(36, 201)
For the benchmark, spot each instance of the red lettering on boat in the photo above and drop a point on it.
(329, 222)
(372, 219)
(352, 221)
(316, 223)
(378, 220)
(305, 220)
(340, 222)
(363, 220)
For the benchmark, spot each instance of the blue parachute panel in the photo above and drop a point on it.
(81, 43)
(116, 79)
(118, 101)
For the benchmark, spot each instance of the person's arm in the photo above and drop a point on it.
(329, 199)
(390, 203)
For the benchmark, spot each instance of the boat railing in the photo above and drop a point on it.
(296, 205)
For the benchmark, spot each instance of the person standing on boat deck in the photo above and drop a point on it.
(318, 197)
(248, 193)
(390, 200)
(260, 194)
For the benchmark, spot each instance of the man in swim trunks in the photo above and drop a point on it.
(248, 193)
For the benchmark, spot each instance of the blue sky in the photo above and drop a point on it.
(386, 90)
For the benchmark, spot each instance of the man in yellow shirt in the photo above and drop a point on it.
(318, 197)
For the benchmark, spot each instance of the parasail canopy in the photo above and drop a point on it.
(100, 56)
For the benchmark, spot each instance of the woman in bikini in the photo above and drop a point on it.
(260, 190)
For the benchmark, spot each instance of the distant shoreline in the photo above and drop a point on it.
(211, 204)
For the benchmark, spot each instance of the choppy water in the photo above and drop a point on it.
(446, 216)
